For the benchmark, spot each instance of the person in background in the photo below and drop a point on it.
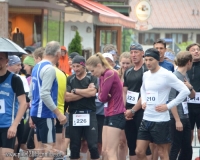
(28, 134)
(194, 76)
(63, 64)
(29, 63)
(160, 45)
(110, 48)
(71, 56)
(125, 63)
(110, 60)
(180, 124)
(29, 50)
(38, 54)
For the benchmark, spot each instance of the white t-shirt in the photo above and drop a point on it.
(155, 90)
(25, 83)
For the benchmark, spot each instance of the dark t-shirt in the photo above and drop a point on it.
(84, 103)
(194, 76)
(133, 81)
(16, 83)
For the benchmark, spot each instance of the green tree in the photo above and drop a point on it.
(75, 44)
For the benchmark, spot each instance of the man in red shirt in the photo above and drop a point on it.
(63, 61)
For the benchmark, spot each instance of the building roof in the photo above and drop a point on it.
(172, 14)
(106, 14)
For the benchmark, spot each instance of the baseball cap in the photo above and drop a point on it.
(170, 55)
(29, 49)
(73, 54)
(13, 60)
(136, 46)
(79, 59)
(108, 55)
(63, 48)
(113, 52)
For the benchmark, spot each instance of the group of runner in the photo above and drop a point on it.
(140, 107)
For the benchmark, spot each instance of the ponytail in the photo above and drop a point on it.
(96, 59)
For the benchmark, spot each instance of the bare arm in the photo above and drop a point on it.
(88, 92)
(179, 125)
(125, 89)
(138, 105)
(22, 108)
(72, 97)
(192, 91)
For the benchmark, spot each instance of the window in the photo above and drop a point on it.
(177, 37)
(198, 38)
(148, 38)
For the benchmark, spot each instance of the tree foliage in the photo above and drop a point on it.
(75, 44)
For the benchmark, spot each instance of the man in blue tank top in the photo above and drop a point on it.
(43, 95)
(12, 107)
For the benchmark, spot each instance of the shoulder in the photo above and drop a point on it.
(16, 77)
(16, 80)
(128, 71)
(109, 73)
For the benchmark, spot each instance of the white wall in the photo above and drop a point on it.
(87, 38)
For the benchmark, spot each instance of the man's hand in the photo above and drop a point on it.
(128, 114)
(12, 132)
(91, 85)
(62, 119)
(179, 126)
(161, 108)
(31, 124)
(144, 106)
(187, 84)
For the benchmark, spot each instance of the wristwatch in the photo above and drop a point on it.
(191, 88)
(132, 111)
(74, 91)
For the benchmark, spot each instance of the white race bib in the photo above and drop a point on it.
(132, 97)
(196, 99)
(81, 120)
(105, 105)
(2, 106)
(185, 107)
(151, 97)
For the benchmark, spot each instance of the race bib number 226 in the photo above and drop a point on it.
(81, 119)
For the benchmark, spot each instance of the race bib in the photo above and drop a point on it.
(185, 107)
(81, 120)
(196, 99)
(2, 106)
(105, 105)
(151, 97)
(132, 97)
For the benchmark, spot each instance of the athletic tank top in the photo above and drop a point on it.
(38, 108)
(8, 103)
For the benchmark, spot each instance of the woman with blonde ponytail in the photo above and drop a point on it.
(110, 93)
